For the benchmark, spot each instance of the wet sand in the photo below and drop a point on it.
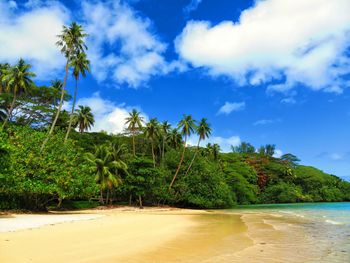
(160, 235)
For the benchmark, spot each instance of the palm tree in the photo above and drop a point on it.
(203, 131)
(174, 138)
(17, 79)
(134, 122)
(152, 131)
(80, 65)
(216, 150)
(71, 42)
(3, 68)
(165, 128)
(83, 118)
(187, 126)
(105, 167)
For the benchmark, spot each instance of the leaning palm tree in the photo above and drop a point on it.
(165, 128)
(203, 131)
(17, 79)
(83, 118)
(71, 42)
(101, 161)
(186, 126)
(135, 122)
(151, 132)
(80, 65)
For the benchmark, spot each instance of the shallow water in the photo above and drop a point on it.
(328, 225)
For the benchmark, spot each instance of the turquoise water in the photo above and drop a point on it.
(328, 224)
(329, 213)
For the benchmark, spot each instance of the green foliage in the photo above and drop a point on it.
(33, 179)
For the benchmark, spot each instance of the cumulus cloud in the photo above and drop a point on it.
(123, 47)
(109, 116)
(229, 107)
(224, 142)
(288, 42)
(266, 121)
(32, 36)
(135, 52)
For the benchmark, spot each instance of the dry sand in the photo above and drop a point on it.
(151, 235)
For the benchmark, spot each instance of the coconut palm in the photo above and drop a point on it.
(216, 151)
(3, 68)
(151, 132)
(174, 138)
(83, 118)
(70, 42)
(17, 80)
(186, 126)
(165, 129)
(134, 122)
(80, 65)
(105, 167)
(203, 131)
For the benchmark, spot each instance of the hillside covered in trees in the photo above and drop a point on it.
(47, 157)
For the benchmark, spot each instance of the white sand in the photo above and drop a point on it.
(20, 222)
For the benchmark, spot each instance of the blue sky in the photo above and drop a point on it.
(268, 71)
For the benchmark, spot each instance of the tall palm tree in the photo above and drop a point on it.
(186, 126)
(83, 118)
(151, 132)
(105, 167)
(135, 123)
(203, 131)
(80, 65)
(165, 128)
(17, 79)
(70, 42)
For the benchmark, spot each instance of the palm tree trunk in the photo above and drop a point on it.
(72, 111)
(179, 166)
(140, 201)
(194, 157)
(101, 196)
(58, 110)
(9, 116)
(130, 199)
(107, 197)
(163, 150)
(133, 143)
(154, 158)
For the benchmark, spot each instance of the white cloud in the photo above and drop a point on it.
(32, 36)
(224, 142)
(135, 53)
(289, 41)
(266, 121)
(108, 115)
(278, 153)
(229, 107)
(193, 5)
(123, 49)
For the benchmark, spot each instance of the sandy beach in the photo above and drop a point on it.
(153, 235)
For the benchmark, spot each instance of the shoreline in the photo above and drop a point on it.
(158, 234)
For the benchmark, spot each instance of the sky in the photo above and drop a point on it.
(264, 71)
